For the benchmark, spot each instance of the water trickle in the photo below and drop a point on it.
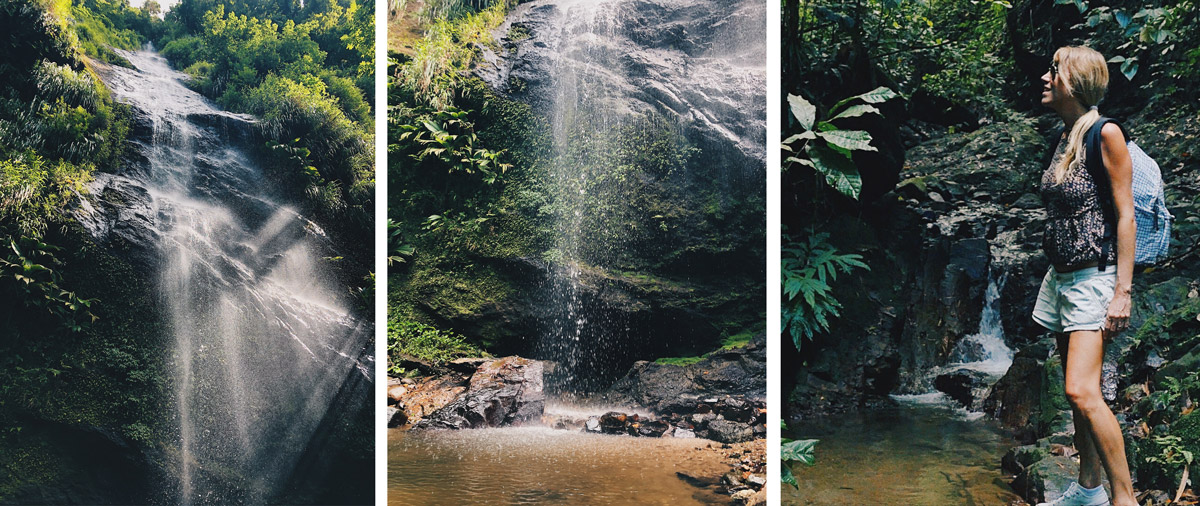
(983, 353)
(263, 341)
(985, 350)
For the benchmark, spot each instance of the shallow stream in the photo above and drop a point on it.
(537, 465)
(922, 453)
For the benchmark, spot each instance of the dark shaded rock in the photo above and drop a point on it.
(1016, 399)
(964, 386)
(1028, 201)
(109, 468)
(502, 392)
(733, 381)
(1046, 479)
(726, 431)
(654, 428)
(614, 423)
(1017, 459)
(396, 417)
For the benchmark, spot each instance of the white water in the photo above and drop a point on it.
(262, 337)
(984, 351)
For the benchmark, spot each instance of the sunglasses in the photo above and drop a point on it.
(1053, 70)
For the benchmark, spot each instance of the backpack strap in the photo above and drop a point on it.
(1095, 166)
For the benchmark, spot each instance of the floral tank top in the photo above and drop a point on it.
(1075, 227)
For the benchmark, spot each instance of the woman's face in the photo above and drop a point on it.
(1054, 87)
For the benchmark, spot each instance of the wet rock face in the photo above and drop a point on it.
(503, 392)
(701, 62)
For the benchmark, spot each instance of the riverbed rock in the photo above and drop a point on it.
(503, 392)
(1019, 458)
(1046, 479)
(1015, 399)
(731, 381)
(967, 387)
(395, 393)
(726, 431)
(614, 423)
(396, 417)
(430, 394)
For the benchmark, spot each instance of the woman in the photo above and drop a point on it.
(1083, 297)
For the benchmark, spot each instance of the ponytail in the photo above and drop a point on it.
(1075, 145)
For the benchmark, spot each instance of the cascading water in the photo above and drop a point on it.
(986, 351)
(983, 353)
(263, 342)
(577, 110)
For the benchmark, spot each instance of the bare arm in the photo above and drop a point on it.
(1120, 174)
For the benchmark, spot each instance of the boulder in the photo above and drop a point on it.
(1015, 400)
(726, 431)
(732, 382)
(395, 393)
(614, 423)
(1046, 479)
(964, 386)
(1019, 458)
(396, 417)
(502, 392)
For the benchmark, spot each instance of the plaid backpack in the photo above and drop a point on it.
(1149, 202)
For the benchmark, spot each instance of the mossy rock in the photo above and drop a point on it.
(1054, 409)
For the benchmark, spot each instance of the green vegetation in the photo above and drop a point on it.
(808, 268)
(307, 74)
(827, 149)
(794, 451)
(424, 342)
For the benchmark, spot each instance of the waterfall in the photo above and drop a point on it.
(579, 120)
(685, 75)
(263, 339)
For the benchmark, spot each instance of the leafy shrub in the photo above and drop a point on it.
(827, 149)
(425, 342)
(808, 268)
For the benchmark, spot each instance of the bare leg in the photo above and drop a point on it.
(1089, 460)
(1085, 356)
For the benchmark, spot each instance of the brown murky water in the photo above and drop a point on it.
(538, 465)
(919, 455)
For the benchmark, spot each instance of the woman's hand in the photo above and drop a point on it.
(1118, 313)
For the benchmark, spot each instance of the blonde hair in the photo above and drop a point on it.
(1085, 73)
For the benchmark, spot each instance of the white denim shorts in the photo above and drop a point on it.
(1076, 300)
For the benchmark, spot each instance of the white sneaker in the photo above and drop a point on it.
(1075, 496)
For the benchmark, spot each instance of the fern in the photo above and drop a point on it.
(808, 269)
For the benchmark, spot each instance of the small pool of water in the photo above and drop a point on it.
(923, 454)
(545, 466)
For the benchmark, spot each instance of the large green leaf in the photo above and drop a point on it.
(875, 96)
(857, 110)
(800, 450)
(807, 134)
(804, 111)
(838, 170)
(850, 140)
(787, 476)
